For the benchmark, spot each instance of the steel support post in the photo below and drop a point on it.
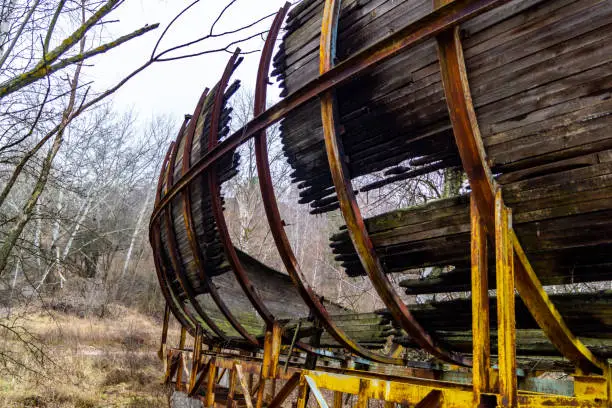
(481, 355)
(265, 367)
(161, 353)
(506, 319)
(303, 392)
(195, 360)
(211, 382)
(362, 396)
(181, 364)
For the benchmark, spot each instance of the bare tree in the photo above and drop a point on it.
(79, 171)
(42, 88)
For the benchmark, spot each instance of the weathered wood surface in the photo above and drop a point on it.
(540, 75)
(562, 218)
(528, 343)
(587, 315)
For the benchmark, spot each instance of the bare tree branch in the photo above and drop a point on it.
(37, 73)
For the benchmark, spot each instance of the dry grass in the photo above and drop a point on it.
(90, 362)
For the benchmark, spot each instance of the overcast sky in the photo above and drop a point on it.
(173, 88)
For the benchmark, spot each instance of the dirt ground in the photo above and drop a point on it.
(86, 362)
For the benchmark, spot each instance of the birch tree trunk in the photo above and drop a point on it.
(141, 215)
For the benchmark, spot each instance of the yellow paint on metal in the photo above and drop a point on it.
(547, 316)
(506, 319)
(481, 360)
(181, 366)
(453, 395)
(592, 387)
(302, 393)
(211, 382)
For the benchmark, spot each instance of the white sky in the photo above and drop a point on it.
(173, 88)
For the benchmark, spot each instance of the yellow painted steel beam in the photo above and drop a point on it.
(590, 391)
(451, 395)
(546, 401)
(506, 318)
(303, 391)
(316, 392)
(593, 387)
(363, 400)
(481, 347)
(277, 338)
(211, 383)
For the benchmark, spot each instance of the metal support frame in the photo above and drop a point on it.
(490, 218)
(282, 241)
(198, 257)
(494, 219)
(428, 26)
(484, 190)
(590, 391)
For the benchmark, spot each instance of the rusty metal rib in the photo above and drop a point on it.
(260, 100)
(187, 209)
(415, 33)
(273, 213)
(348, 203)
(217, 207)
(473, 157)
(173, 252)
(162, 276)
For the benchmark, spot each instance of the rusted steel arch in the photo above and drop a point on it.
(415, 33)
(276, 224)
(473, 157)
(259, 106)
(187, 209)
(217, 207)
(172, 244)
(155, 240)
(196, 250)
(348, 203)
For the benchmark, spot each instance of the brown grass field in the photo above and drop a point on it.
(87, 362)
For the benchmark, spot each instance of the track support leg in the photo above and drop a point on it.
(480, 306)
(506, 319)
